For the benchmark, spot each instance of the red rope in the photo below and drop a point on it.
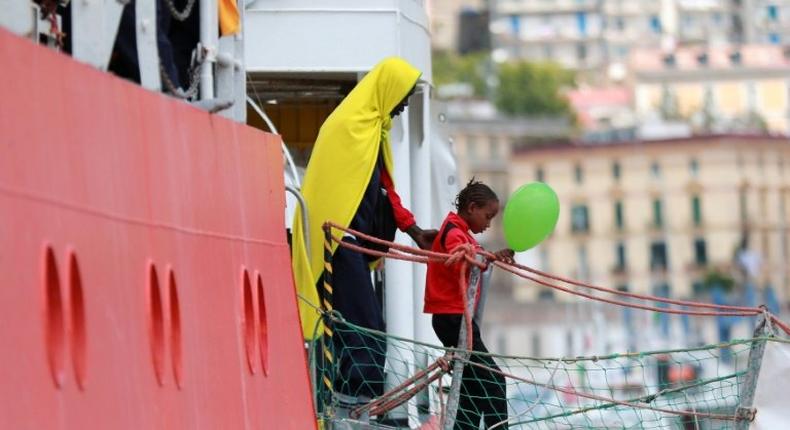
(390, 400)
(463, 285)
(407, 253)
(756, 311)
(439, 256)
(627, 294)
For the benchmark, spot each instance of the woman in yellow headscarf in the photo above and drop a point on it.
(349, 181)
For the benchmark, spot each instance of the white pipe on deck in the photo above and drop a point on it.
(209, 39)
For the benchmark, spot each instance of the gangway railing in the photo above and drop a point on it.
(724, 398)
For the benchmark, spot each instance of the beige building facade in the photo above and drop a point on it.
(655, 217)
(598, 36)
(728, 87)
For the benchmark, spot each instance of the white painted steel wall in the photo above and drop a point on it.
(335, 36)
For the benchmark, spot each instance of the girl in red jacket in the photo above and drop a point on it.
(483, 392)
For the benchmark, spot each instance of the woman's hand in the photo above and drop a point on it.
(505, 255)
(423, 238)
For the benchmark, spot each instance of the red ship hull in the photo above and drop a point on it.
(145, 278)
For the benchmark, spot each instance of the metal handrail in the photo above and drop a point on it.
(288, 158)
(305, 218)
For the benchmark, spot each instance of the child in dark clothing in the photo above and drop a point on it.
(482, 391)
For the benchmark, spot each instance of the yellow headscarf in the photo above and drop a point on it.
(340, 168)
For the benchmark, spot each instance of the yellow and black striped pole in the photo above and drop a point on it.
(326, 304)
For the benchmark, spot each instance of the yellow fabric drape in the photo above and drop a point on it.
(228, 17)
(340, 168)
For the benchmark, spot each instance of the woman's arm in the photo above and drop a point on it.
(404, 218)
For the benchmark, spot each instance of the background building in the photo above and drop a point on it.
(648, 216)
(761, 21)
(653, 218)
(717, 89)
(597, 36)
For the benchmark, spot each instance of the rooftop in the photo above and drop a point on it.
(644, 144)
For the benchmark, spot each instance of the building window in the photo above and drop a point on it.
(515, 25)
(696, 211)
(584, 265)
(700, 252)
(658, 255)
(548, 51)
(655, 24)
(581, 23)
(774, 39)
(580, 222)
(735, 58)
(569, 343)
(540, 175)
(658, 215)
(544, 260)
(772, 12)
(621, 258)
(578, 174)
(655, 170)
(581, 52)
(698, 288)
(743, 205)
(618, 215)
(502, 343)
(546, 295)
(751, 96)
(616, 170)
(494, 148)
(662, 290)
(694, 167)
(619, 23)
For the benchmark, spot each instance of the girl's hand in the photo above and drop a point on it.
(506, 255)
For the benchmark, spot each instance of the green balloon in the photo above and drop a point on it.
(530, 215)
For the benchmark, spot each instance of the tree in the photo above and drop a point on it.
(450, 68)
(533, 88)
(717, 278)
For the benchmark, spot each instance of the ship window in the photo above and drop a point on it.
(175, 328)
(249, 321)
(157, 326)
(263, 328)
(55, 329)
(78, 332)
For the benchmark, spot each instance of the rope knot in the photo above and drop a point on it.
(444, 362)
(464, 251)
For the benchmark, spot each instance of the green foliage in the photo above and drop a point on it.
(450, 68)
(525, 88)
(531, 88)
(716, 278)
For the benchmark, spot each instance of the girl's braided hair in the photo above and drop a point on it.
(474, 192)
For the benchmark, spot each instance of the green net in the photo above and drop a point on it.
(369, 379)
(680, 388)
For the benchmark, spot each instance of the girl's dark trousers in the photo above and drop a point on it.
(483, 392)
